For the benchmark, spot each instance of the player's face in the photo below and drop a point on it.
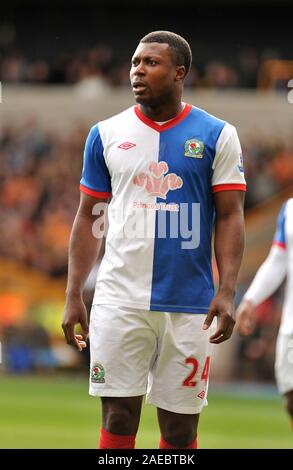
(154, 76)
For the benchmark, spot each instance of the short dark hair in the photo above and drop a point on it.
(179, 45)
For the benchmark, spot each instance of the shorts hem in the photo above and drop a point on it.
(152, 307)
(176, 409)
(114, 393)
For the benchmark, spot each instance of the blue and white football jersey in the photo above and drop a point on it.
(161, 179)
(284, 239)
(280, 238)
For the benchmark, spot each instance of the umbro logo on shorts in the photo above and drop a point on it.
(202, 394)
(126, 145)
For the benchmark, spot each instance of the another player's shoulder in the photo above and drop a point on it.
(287, 207)
(284, 223)
(288, 203)
(285, 211)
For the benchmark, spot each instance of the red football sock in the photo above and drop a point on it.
(115, 441)
(165, 445)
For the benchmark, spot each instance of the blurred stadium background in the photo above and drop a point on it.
(63, 66)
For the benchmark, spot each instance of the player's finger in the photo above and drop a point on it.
(65, 331)
(220, 337)
(68, 329)
(230, 330)
(226, 334)
(221, 328)
(223, 334)
(208, 320)
(80, 343)
(80, 339)
(218, 340)
(217, 335)
(85, 327)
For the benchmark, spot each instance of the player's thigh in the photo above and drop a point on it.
(122, 346)
(179, 379)
(284, 363)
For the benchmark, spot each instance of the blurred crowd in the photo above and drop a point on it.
(39, 188)
(39, 194)
(102, 66)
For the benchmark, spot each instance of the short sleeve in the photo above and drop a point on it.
(228, 171)
(280, 236)
(95, 180)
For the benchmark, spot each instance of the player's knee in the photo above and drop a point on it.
(289, 403)
(179, 438)
(120, 421)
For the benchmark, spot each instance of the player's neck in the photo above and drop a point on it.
(162, 112)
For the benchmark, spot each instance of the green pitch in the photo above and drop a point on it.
(52, 412)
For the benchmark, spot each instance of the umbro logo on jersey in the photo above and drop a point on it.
(202, 394)
(126, 145)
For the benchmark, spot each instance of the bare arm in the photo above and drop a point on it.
(83, 252)
(229, 245)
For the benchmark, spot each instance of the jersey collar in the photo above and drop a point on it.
(173, 122)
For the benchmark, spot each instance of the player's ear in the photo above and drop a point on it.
(180, 73)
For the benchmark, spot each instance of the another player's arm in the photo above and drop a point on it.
(266, 281)
(229, 246)
(83, 252)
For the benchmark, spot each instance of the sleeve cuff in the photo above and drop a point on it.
(279, 244)
(91, 192)
(228, 187)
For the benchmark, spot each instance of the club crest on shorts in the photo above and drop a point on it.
(97, 373)
(193, 148)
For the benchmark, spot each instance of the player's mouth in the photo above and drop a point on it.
(139, 87)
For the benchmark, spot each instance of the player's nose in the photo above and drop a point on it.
(139, 69)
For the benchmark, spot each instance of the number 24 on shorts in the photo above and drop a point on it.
(188, 382)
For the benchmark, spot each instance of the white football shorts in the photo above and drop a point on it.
(164, 355)
(284, 363)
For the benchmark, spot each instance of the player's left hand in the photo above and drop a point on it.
(222, 307)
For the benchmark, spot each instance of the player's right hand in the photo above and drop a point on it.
(245, 318)
(75, 313)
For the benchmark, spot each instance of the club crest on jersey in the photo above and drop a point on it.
(193, 148)
(155, 182)
(97, 373)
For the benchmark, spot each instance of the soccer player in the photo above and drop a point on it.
(170, 170)
(268, 278)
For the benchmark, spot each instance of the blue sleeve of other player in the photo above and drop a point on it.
(280, 236)
(95, 179)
